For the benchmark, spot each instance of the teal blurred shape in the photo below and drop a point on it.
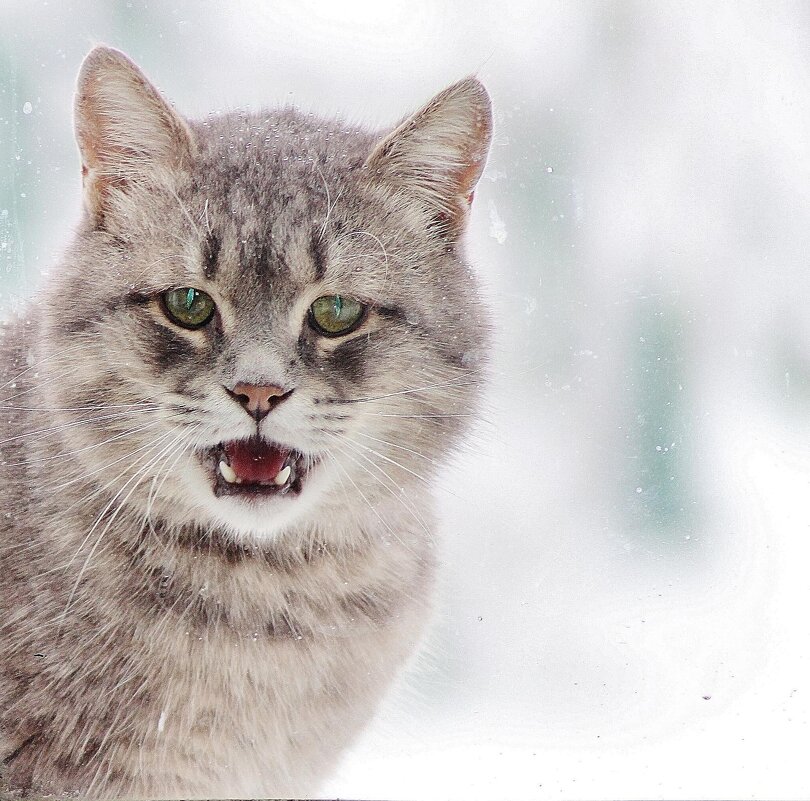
(658, 496)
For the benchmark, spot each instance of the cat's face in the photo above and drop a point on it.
(275, 303)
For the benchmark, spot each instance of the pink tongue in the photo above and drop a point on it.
(255, 461)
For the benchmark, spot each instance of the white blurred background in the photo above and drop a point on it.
(626, 584)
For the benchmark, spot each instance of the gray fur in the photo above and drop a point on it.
(156, 640)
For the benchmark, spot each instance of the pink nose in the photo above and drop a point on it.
(258, 401)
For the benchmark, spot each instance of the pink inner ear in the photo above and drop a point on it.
(467, 177)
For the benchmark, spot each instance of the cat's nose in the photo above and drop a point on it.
(258, 401)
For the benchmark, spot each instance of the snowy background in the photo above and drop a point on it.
(625, 606)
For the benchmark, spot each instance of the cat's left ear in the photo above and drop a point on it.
(437, 155)
(127, 133)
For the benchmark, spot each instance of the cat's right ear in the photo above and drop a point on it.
(436, 156)
(126, 132)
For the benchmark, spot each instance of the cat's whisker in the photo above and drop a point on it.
(151, 448)
(45, 432)
(148, 268)
(392, 485)
(57, 378)
(340, 471)
(178, 239)
(344, 488)
(73, 453)
(460, 382)
(155, 490)
(207, 221)
(329, 204)
(397, 446)
(428, 483)
(53, 430)
(386, 525)
(351, 256)
(135, 480)
(420, 416)
(186, 213)
(145, 406)
(362, 449)
(104, 467)
(53, 377)
(78, 348)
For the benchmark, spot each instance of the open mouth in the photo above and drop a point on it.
(257, 467)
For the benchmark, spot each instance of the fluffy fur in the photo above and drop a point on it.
(157, 640)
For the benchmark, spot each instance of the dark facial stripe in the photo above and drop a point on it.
(211, 248)
(349, 359)
(318, 251)
(167, 348)
(262, 258)
(390, 313)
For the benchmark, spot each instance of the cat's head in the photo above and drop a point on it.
(270, 310)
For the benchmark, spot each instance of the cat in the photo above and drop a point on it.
(222, 417)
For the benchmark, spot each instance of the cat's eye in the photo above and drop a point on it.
(188, 307)
(335, 315)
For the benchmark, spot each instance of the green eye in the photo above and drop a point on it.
(334, 315)
(188, 307)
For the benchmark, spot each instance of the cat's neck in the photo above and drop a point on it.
(307, 583)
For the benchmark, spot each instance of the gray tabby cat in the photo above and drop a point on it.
(222, 417)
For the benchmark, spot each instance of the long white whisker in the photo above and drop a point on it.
(419, 416)
(371, 506)
(37, 365)
(397, 446)
(186, 212)
(65, 426)
(205, 217)
(52, 377)
(106, 466)
(71, 454)
(154, 490)
(137, 478)
(459, 382)
(132, 464)
(409, 507)
(148, 268)
(138, 405)
(394, 462)
(329, 204)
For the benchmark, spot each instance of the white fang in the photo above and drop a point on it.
(228, 473)
(282, 476)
